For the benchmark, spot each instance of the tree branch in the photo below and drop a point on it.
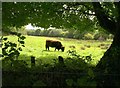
(104, 22)
(117, 5)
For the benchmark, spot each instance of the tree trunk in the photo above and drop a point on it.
(108, 69)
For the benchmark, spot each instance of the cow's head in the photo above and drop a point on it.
(62, 48)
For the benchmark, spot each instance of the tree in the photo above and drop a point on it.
(74, 15)
(108, 67)
(45, 15)
(37, 32)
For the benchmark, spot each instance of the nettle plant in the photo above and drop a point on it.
(11, 50)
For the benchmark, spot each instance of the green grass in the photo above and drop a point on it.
(36, 46)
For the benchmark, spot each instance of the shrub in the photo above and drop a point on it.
(39, 83)
(11, 50)
(100, 36)
(88, 36)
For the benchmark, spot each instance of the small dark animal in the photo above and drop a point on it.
(56, 44)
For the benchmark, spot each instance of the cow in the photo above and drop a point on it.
(56, 44)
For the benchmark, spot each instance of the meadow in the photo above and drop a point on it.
(48, 70)
(35, 45)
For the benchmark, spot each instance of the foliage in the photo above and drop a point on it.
(43, 75)
(76, 34)
(39, 83)
(46, 15)
(100, 36)
(69, 82)
(88, 36)
(20, 14)
(75, 55)
(76, 71)
(37, 32)
(30, 32)
(55, 32)
(10, 29)
(75, 16)
(37, 48)
(11, 50)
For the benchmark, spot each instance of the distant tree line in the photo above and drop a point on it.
(66, 33)
(76, 34)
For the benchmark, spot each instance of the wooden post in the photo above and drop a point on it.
(32, 61)
(61, 63)
(60, 59)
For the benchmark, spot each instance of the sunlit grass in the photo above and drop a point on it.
(36, 46)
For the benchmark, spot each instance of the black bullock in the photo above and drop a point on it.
(56, 44)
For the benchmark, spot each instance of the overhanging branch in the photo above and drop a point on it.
(104, 22)
(117, 5)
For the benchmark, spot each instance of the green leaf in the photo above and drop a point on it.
(12, 44)
(20, 48)
(19, 34)
(5, 39)
(13, 33)
(69, 82)
(22, 37)
(39, 83)
(17, 53)
(82, 81)
(22, 42)
(11, 54)
(6, 44)
(12, 49)
(4, 52)
(90, 73)
(23, 45)
(5, 47)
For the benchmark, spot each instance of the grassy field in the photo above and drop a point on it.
(47, 70)
(36, 46)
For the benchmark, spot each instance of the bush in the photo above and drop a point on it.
(100, 36)
(11, 51)
(55, 32)
(39, 83)
(88, 36)
(110, 36)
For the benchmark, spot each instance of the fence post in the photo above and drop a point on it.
(32, 61)
(60, 59)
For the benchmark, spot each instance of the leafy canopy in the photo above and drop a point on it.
(70, 15)
(46, 14)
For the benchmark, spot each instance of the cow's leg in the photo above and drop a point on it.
(47, 47)
(55, 49)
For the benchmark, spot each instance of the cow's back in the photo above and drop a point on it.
(53, 43)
